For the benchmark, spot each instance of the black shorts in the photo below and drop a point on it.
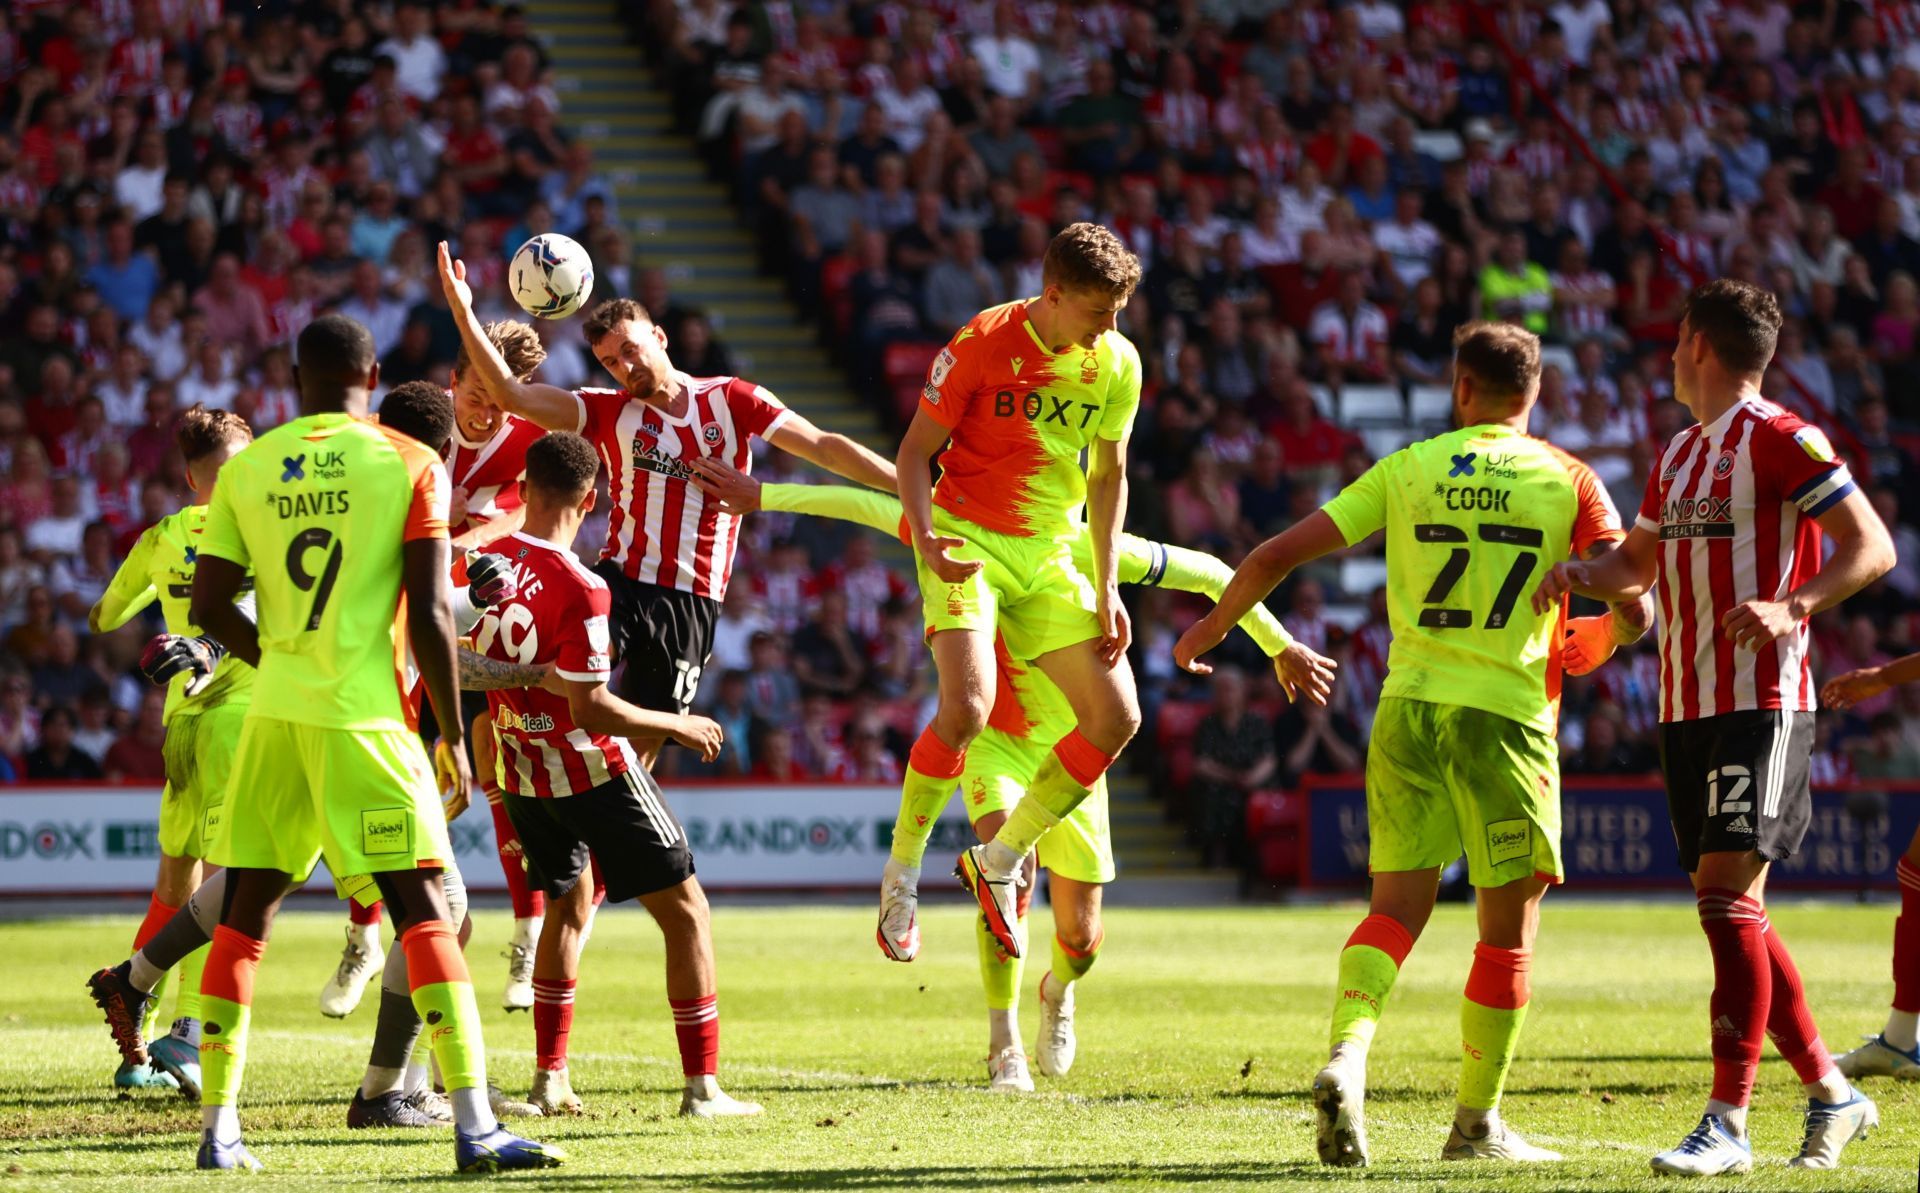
(1737, 782)
(472, 704)
(624, 824)
(663, 636)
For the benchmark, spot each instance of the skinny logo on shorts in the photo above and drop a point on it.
(385, 830)
(1508, 839)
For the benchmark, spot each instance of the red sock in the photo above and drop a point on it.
(1742, 989)
(552, 1021)
(158, 914)
(1789, 1022)
(1906, 940)
(232, 960)
(696, 1024)
(527, 903)
(370, 914)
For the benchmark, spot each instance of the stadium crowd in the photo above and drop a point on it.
(1320, 194)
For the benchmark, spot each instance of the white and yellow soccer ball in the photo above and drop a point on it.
(550, 276)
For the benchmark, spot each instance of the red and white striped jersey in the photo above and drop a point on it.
(559, 616)
(1733, 506)
(662, 529)
(491, 472)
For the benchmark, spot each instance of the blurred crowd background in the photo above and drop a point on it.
(1319, 192)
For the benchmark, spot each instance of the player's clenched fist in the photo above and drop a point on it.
(453, 776)
(702, 734)
(490, 580)
(737, 492)
(1588, 643)
(1753, 624)
(168, 655)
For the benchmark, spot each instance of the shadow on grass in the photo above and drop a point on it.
(983, 1176)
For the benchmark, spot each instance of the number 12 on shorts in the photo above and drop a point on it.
(1461, 557)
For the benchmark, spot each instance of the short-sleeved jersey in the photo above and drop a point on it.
(320, 508)
(491, 472)
(1734, 505)
(1473, 519)
(662, 529)
(160, 567)
(1020, 417)
(559, 616)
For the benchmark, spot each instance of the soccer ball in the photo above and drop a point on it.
(551, 276)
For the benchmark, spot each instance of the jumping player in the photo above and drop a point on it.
(1463, 756)
(1014, 399)
(208, 691)
(669, 551)
(1029, 715)
(1730, 529)
(571, 783)
(342, 516)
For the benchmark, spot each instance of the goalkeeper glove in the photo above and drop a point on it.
(490, 581)
(169, 655)
(1589, 643)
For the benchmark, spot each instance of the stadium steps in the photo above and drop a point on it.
(1144, 844)
(685, 223)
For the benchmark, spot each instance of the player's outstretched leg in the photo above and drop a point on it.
(1491, 1014)
(556, 971)
(1077, 937)
(932, 769)
(681, 911)
(1837, 1114)
(360, 960)
(121, 991)
(1895, 1052)
(1369, 966)
(442, 992)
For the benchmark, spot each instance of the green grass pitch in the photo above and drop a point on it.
(1199, 1033)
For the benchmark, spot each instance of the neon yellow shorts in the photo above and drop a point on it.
(363, 798)
(1000, 768)
(1443, 780)
(199, 756)
(1031, 590)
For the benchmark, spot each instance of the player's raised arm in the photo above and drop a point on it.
(1264, 567)
(554, 408)
(130, 590)
(925, 436)
(832, 451)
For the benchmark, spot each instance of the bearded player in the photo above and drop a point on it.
(669, 550)
(572, 784)
(1731, 530)
(208, 691)
(1029, 715)
(1463, 756)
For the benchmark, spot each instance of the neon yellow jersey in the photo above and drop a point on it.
(1473, 518)
(160, 567)
(1020, 417)
(320, 508)
(1027, 703)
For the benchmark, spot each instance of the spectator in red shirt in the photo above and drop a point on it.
(1341, 149)
(474, 156)
(1299, 288)
(139, 755)
(1308, 440)
(1851, 196)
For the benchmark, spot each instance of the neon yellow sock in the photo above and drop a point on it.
(443, 994)
(223, 1049)
(933, 767)
(1491, 1014)
(1369, 965)
(187, 1006)
(150, 1022)
(999, 973)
